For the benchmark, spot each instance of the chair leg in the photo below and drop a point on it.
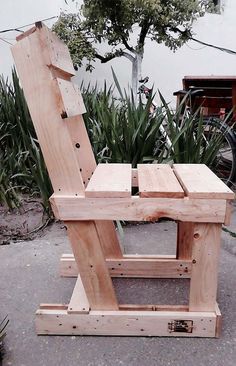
(184, 240)
(108, 239)
(205, 256)
(93, 270)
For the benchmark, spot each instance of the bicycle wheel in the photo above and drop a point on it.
(224, 161)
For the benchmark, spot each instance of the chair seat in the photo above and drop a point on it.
(156, 180)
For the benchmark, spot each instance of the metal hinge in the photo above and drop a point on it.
(181, 326)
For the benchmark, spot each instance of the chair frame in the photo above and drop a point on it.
(56, 107)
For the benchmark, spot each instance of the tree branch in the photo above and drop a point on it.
(125, 43)
(109, 57)
(129, 56)
(144, 30)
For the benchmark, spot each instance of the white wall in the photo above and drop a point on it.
(16, 13)
(165, 69)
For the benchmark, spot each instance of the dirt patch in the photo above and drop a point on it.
(24, 223)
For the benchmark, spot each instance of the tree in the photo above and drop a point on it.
(115, 21)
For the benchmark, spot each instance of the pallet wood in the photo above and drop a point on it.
(129, 323)
(134, 177)
(138, 209)
(68, 266)
(205, 256)
(184, 240)
(88, 197)
(158, 180)
(110, 181)
(42, 101)
(136, 267)
(200, 182)
(91, 263)
(71, 101)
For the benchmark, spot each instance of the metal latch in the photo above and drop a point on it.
(181, 326)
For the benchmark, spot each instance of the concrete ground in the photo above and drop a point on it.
(29, 276)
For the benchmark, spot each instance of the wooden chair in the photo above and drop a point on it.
(88, 197)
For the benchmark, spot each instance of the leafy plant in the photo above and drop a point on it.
(22, 166)
(114, 22)
(120, 130)
(196, 140)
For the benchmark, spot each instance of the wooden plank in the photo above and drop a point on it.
(79, 302)
(124, 323)
(228, 213)
(138, 209)
(53, 136)
(149, 268)
(72, 101)
(135, 266)
(68, 266)
(108, 239)
(57, 54)
(158, 180)
(199, 181)
(134, 177)
(26, 33)
(218, 321)
(153, 307)
(110, 180)
(184, 240)
(92, 266)
(82, 147)
(203, 284)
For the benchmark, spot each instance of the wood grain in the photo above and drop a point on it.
(199, 181)
(92, 266)
(158, 180)
(203, 284)
(138, 209)
(129, 323)
(185, 231)
(110, 180)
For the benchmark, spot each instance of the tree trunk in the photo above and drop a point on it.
(136, 73)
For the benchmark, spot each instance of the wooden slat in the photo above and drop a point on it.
(58, 55)
(92, 266)
(138, 209)
(134, 177)
(68, 266)
(228, 213)
(110, 180)
(203, 284)
(158, 180)
(79, 301)
(26, 33)
(199, 181)
(153, 307)
(149, 268)
(218, 321)
(72, 100)
(121, 322)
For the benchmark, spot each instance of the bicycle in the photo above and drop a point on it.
(214, 130)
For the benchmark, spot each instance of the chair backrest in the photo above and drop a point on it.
(45, 70)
